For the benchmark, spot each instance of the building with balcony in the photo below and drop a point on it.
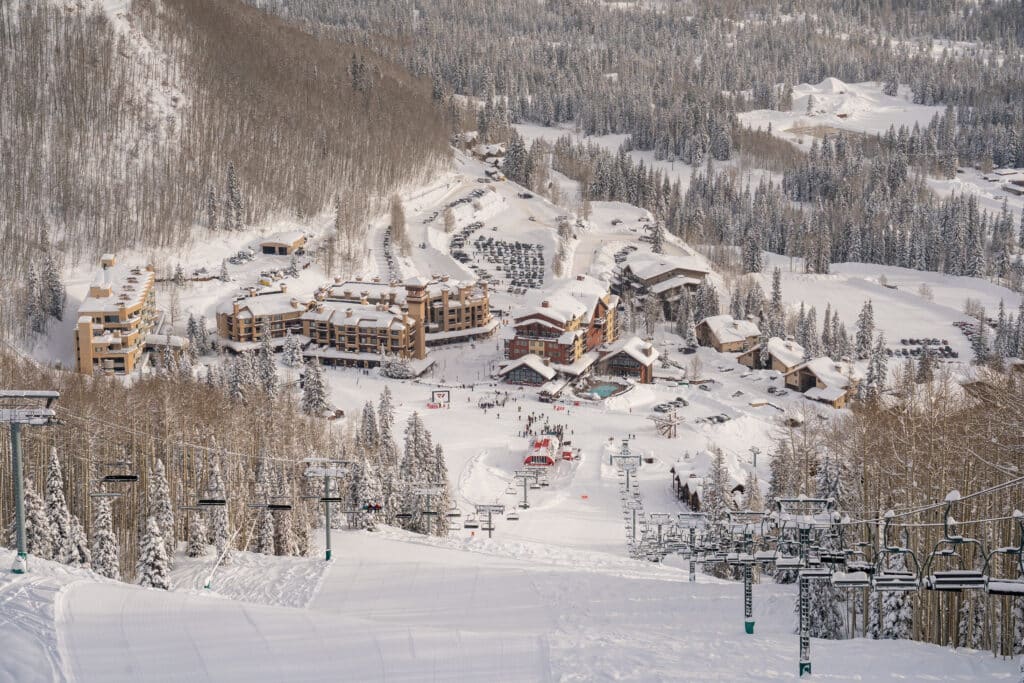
(455, 310)
(726, 335)
(362, 335)
(567, 326)
(241, 321)
(115, 319)
(667, 277)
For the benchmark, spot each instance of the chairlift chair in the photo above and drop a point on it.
(403, 515)
(211, 502)
(851, 579)
(953, 580)
(471, 523)
(512, 516)
(890, 580)
(120, 478)
(1016, 553)
(454, 513)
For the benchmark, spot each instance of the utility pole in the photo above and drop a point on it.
(19, 408)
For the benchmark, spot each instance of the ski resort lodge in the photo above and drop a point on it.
(824, 380)
(783, 356)
(116, 319)
(531, 370)
(364, 334)
(456, 311)
(726, 335)
(666, 277)
(241, 322)
(567, 326)
(632, 357)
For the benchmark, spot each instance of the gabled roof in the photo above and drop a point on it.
(786, 351)
(576, 298)
(833, 374)
(646, 265)
(643, 352)
(533, 362)
(726, 329)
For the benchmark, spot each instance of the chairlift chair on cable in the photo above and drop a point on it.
(891, 580)
(1016, 553)
(512, 516)
(126, 476)
(953, 580)
(471, 522)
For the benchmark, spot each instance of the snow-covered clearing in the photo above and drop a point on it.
(396, 610)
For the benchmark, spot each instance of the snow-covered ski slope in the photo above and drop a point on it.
(399, 609)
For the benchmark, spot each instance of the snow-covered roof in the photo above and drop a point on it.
(576, 298)
(395, 292)
(833, 374)
(417, 281)
(643, 352)
(726, 329)
(674, 283)
(788, 352)
(578, 366)
(829, 394)
(532, 361)
(646, 265)
(362, 315)
(127, 286)
(275, 303)
(290, 237)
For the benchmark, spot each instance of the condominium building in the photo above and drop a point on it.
(115, 319)
(241, 321)
(455, 310)
(343, 333)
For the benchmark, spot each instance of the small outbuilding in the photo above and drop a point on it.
(284, 244)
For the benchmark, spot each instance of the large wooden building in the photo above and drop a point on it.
(724, 334)
(631, 357)
(664, 276)
(567, 325)
(361, 334)
(824, 380)
(116, 319)
(783, 355)
(241, 322)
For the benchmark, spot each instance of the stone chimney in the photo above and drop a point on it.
(545, 304)
(348, 312)
(284, 287)
(581, 278)
(338, 280)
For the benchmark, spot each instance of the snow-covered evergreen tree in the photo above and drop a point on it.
(219, 522)
(106, 551)
(197, 535)
(776, 322)
(62, 534)
(160, 508)
(53, 292)
(266, 368)
(658, 238)
(865, 331)
(264, 541)
(291, 354)
(38, 534)
(314, 389)
(153, 569)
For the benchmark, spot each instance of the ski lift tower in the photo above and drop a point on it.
(806, 515)
(741, 526)
(430, 513)
(490, 510)
(327, 468)
(691, 520)
(525, 477)
(17, 408)
(667, 424)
